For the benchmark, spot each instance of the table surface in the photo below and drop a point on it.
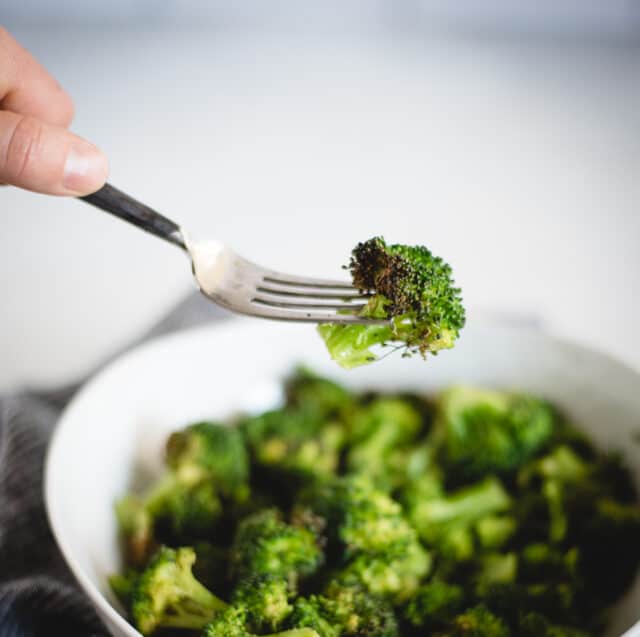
(517, 160)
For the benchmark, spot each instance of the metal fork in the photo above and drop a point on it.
(240, 285)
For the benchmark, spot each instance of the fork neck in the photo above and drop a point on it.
(125, 207)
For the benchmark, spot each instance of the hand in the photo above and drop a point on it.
(36, 150)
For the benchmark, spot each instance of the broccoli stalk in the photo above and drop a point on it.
(413, 289)
(167, 595)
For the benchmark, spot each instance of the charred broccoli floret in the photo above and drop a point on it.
(413, 289)
(167, 595)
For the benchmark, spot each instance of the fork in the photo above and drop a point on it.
(240, 285)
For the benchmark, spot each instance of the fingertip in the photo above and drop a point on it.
(86, 168)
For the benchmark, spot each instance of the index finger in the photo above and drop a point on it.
(26, 88)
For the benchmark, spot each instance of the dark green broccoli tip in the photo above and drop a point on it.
(264, 544)
(212, 451)
(485, 432)
(266, 600)
(167, 595)
(413, 289)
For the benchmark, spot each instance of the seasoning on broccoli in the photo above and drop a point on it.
(409, 286)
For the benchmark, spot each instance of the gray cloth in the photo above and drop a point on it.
(38, 595)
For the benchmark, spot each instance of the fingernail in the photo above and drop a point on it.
(85, 168)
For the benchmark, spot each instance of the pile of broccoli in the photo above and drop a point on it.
(411, 288)
(481, 513)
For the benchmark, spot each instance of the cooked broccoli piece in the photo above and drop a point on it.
(434, 605)
(446, 521)
(359, 517)
(123, 586)
(377, 429)
(316, 612)
(295, 442)
(545, 562)
(266, 600)
(478, 621)
(167, 595)
(394, 574)
(135, 526)
(264, 545)
(483, 432)
(360, 613)
(413, 289)
(317, 395)
(212, 451)
(231, 623)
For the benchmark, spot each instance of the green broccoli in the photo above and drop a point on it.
(167, 595)
(317, 395)
(494, 531)
(413, 289)
(394, 574)
(434, 605)
(447, 521)
(376, 430)
(360, 613)
(264, 544)
(212, 451)
(316, 612)
(266, 600)
(135, 526)
(484, 432)
(294, 443)
(232, 623)
(359, 517)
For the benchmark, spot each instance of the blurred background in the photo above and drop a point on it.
(504, 135)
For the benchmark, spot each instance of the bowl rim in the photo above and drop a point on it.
(105, 609)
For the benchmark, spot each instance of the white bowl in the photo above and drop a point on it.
(113, 432)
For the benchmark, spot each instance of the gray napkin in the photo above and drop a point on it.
(38, 595)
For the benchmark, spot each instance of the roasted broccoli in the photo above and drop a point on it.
(481, 513)
(167, 595)
(266, 600)
(409, 286)
(265, 545)
(484, 432)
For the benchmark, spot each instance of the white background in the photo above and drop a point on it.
(514, 155)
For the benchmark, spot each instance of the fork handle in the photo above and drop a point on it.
(121, 205)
